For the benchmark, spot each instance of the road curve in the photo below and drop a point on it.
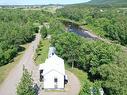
(8, 87)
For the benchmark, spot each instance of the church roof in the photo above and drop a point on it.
(53, 63)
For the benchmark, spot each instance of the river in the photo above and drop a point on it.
(71, 27)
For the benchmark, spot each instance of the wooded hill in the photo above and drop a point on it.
(98, 2)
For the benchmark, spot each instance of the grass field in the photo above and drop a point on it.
(42, 51)
(4, 70)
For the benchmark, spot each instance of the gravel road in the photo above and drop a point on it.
(8, 87)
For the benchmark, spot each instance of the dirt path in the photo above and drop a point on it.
(8, 87)
(72, 88)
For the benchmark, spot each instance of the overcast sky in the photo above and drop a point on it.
(41, 2)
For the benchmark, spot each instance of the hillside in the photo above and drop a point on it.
(96, 2)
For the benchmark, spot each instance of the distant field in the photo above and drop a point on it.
(32, 8)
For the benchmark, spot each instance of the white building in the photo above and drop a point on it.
(52, 72)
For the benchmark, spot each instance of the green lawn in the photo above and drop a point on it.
(4, 70)
(42, 51)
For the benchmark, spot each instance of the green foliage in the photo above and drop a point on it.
(88, 88)
(72, 13)
(16, 28)
(84, 54)
(114, 78)
(56, 27)
(118, 30)
(25, 86)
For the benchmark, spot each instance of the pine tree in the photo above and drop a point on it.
(25, 86)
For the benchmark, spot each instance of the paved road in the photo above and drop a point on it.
(8, 87)
(72, 88)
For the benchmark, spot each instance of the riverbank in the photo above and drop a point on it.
(80, 29)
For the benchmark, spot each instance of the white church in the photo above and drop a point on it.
(52, 72)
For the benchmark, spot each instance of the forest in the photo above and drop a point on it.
(105, 63)
(17, 28)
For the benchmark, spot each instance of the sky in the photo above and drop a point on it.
(39, 2)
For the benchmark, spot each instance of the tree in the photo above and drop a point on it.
(114, 77)
(67, 45)
(25, 85)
